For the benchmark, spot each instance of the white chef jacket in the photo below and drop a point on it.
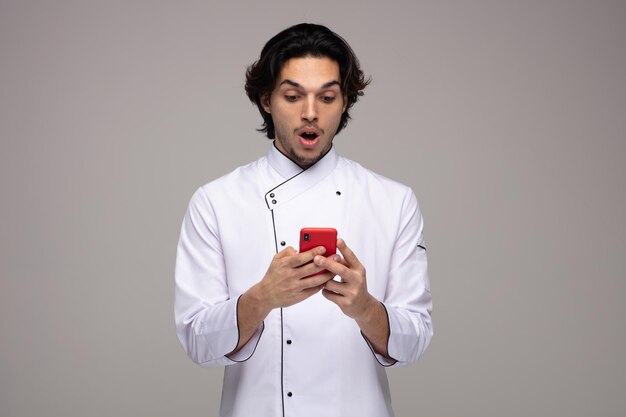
(308, 359)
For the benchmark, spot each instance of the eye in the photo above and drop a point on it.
(291, 98)
(328, 99)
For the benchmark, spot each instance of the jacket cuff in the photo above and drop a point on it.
(381, 359)
(408, 335)
(249, 348)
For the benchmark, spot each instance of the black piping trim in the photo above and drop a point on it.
(420, 246)
(282, 375)
(239, 335)
(388, 337)
(289, 179)
(282, 389)
(274, 228)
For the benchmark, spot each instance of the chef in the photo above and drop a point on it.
(293, 343)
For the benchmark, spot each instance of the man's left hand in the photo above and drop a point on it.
(351, 293)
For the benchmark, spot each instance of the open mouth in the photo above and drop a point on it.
(309, 135)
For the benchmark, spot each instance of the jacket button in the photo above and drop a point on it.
(289, 341)
(289, 394)
(272, 195)
(273, 201)
(282, 243)
(338, 193)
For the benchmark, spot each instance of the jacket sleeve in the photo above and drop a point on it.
(205, 314)
(408, 299)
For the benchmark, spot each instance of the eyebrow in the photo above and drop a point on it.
(295, 84)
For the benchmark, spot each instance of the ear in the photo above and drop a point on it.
(345, 104)
(265, 103)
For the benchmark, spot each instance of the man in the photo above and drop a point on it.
(295, 344)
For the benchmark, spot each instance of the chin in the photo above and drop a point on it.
(304, 161)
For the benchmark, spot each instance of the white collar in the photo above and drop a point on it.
(297, 180)
(281, 163)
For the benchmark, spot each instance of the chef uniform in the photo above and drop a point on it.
(308, 359)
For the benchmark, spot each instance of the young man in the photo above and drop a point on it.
(295, 344)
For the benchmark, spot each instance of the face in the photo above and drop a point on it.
(306, 107)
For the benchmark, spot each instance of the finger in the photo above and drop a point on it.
(332, 258)
(335, 287)
(306, 257)
(347, 253)
(307, 269)
(307, 292)
(316, 280)
(335, 298)
(311, 291)
(331, 265)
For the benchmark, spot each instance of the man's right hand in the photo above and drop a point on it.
(284, 283)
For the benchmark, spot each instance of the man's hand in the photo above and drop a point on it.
(353, 299)
(284, 283)
(351, 293)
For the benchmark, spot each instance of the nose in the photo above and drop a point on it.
(309, 110)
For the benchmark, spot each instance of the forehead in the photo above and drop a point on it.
(309, 71)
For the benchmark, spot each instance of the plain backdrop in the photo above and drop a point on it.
(507, 118)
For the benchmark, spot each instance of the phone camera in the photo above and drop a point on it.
(306, 237)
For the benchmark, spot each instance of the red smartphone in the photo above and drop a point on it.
(311, 237)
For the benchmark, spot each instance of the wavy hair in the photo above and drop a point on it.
(304, 39)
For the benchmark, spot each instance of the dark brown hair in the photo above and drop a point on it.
(304, 39)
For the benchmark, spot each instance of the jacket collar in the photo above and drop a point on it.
(281, 164)
(296, 180)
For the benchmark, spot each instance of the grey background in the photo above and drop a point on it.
(508, 119)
